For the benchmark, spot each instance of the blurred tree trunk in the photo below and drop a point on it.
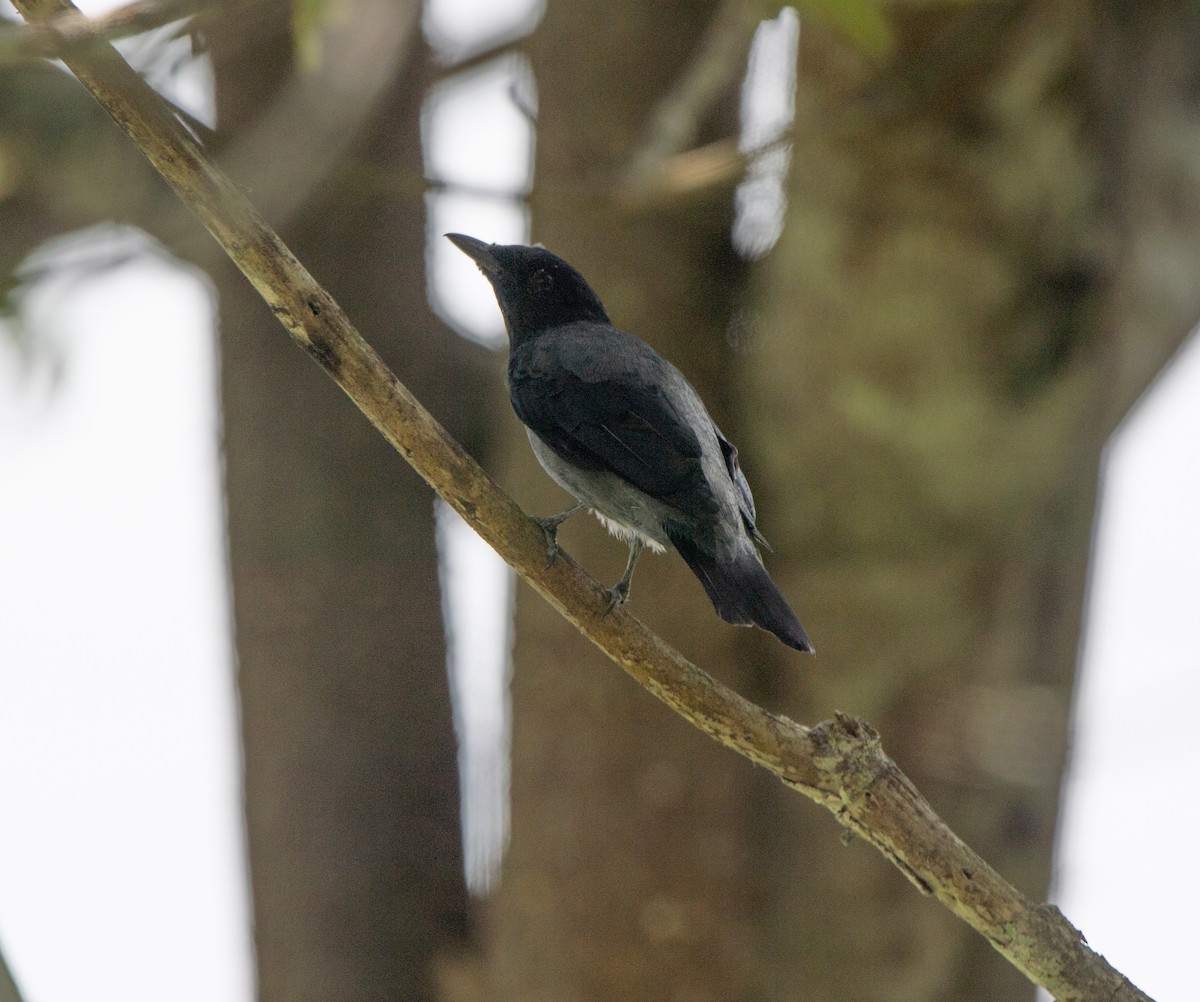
(944, 329)
(351, 789)
(627, 875)
(934, 356)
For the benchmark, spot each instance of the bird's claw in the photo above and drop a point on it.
(550, 524)
(550, 531)
(618, 594)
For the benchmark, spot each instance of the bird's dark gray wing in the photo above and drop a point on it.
(604, 400)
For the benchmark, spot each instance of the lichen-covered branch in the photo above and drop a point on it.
(838, 763)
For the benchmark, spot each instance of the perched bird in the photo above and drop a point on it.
(620, 428)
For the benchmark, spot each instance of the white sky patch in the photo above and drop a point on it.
(477, 135)
(477, 592)
(121, 853)
(459, 293)
(1126, 869)
(189, 82)
(769, 89)
(458, 28)
(479, 149)
(768, 109)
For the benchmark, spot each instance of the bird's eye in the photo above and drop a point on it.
(540, 281)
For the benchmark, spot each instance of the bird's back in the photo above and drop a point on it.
(604, 400)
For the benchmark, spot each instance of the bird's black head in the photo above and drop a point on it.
(536, 290)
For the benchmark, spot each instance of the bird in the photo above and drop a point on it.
(623, 431)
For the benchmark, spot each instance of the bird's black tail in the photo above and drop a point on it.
(743, 593)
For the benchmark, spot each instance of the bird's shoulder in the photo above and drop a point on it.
(591, 353)
(591, 371)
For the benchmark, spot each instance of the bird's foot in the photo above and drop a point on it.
(549, 526)
(618, 595)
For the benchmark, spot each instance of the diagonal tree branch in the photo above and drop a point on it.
(839, 763)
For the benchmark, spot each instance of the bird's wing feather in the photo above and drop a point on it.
(606, 401)
(742, 488)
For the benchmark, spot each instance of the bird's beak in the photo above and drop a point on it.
(477, 251)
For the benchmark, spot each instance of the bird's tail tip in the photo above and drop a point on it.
(743, 593)
(788, 629)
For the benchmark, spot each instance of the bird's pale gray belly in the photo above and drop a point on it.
(624, 510)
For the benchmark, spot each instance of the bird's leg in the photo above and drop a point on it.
(619, 592)
(550, 524)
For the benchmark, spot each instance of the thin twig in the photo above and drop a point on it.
(839, 763)
(672, 126)
(695, 172)
(72, 30)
